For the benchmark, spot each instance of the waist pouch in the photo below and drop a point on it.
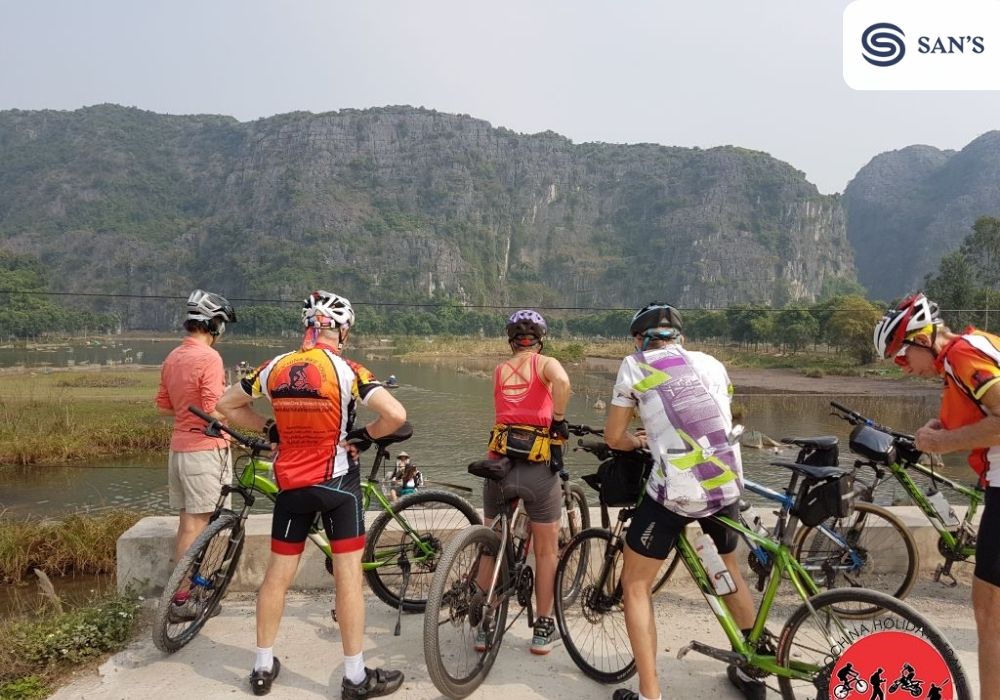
(528, 442)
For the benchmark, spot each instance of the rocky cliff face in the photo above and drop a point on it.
(908, 208)
(400, 204)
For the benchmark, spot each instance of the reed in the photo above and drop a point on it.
(80, 544)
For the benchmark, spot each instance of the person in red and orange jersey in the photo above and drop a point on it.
(914, 335)
(313, 392)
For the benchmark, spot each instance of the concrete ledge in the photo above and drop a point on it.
(145, 551)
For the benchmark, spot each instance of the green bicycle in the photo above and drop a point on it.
(956, 539)
(402, 548)
(802, 658)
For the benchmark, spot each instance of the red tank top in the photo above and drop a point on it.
(528, 401)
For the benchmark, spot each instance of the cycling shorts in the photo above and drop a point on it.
(988, 539)
(654, 529)
(338, 502)
(534, 483)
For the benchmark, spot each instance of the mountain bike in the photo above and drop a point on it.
(481, 570)
(956, 539)
(402, 548)
(869, 548)
(802, 657)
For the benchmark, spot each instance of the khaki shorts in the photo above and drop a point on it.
(195, 479)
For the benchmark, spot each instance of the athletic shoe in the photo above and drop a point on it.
(377, 682)
(261, 680)
(545, 634)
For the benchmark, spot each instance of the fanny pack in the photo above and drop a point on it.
(528, 442)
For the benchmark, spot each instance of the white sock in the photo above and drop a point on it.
(643, 697)
(265, 659)
(354, 668)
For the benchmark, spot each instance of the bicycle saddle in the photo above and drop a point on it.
(822, 442)
(494, 469)
(811, 471)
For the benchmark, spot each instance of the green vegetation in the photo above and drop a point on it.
(39, 648)
(64, 418)
(969, 278)
(80, 544)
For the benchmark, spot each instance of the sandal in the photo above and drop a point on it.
(261, 680)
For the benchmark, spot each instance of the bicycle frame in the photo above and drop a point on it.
(253, 478)
(786, 502)
(783, 565)
(947, 532)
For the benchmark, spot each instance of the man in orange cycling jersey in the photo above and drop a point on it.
(530, 393)
(313, 392)
(969, 419)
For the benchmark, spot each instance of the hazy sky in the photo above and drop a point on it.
(763, 74)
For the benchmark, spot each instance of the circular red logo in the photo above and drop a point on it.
(896, 664)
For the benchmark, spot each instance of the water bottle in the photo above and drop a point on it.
(716, 569)
(520, 529)
(942, 507)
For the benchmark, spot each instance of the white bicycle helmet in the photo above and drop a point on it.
(913, 313)
(327, 310)
(205, 306)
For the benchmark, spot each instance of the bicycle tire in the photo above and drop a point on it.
(575, 518)
(217, 549)
(668, 568)
(592, 624)
(795, 642)
(877, 537)
(432, 514)
(451, 607)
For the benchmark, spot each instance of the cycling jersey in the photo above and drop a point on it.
(313, 394)
(971, 366)
(684, 403)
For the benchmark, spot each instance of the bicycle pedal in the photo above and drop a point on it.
(725, 655)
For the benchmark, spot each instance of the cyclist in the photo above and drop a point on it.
(914, 335)
(530, 393)
(846, 674)
(314, 392)
(193, 374)
(683, 399)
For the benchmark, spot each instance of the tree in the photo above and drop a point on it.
(795, 328)
(853, 323)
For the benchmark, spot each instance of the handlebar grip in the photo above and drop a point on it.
(593, 445)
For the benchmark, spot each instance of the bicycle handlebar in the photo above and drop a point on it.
(215, 427)
(855, 418)
(581, 430)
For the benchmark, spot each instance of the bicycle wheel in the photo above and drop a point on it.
(204, 573)
(817, 632)
(456, 612)
(592, 624)
(433, 518)
(575, 519)
(870, 548)
(669, 565)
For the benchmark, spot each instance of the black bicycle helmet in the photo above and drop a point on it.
(657, 314)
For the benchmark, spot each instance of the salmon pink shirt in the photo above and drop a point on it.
(192, 375)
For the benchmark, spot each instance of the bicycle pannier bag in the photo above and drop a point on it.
(827, 499)
(622, 478)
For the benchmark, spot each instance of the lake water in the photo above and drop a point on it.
(451, 411)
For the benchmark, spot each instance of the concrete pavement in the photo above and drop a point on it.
(217, 663)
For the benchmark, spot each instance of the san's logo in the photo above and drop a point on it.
(882, 44)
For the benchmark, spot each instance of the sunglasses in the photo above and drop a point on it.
(900, 358)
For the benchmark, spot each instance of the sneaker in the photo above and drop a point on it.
(260, 680)
(187, 611)
(752, 688)
(377, 682)
(545, 634)
(625, 694)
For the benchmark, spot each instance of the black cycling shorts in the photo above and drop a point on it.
(988, 539)
(338, 502)
(654, 529)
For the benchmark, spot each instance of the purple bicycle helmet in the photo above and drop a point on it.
(526, 327)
